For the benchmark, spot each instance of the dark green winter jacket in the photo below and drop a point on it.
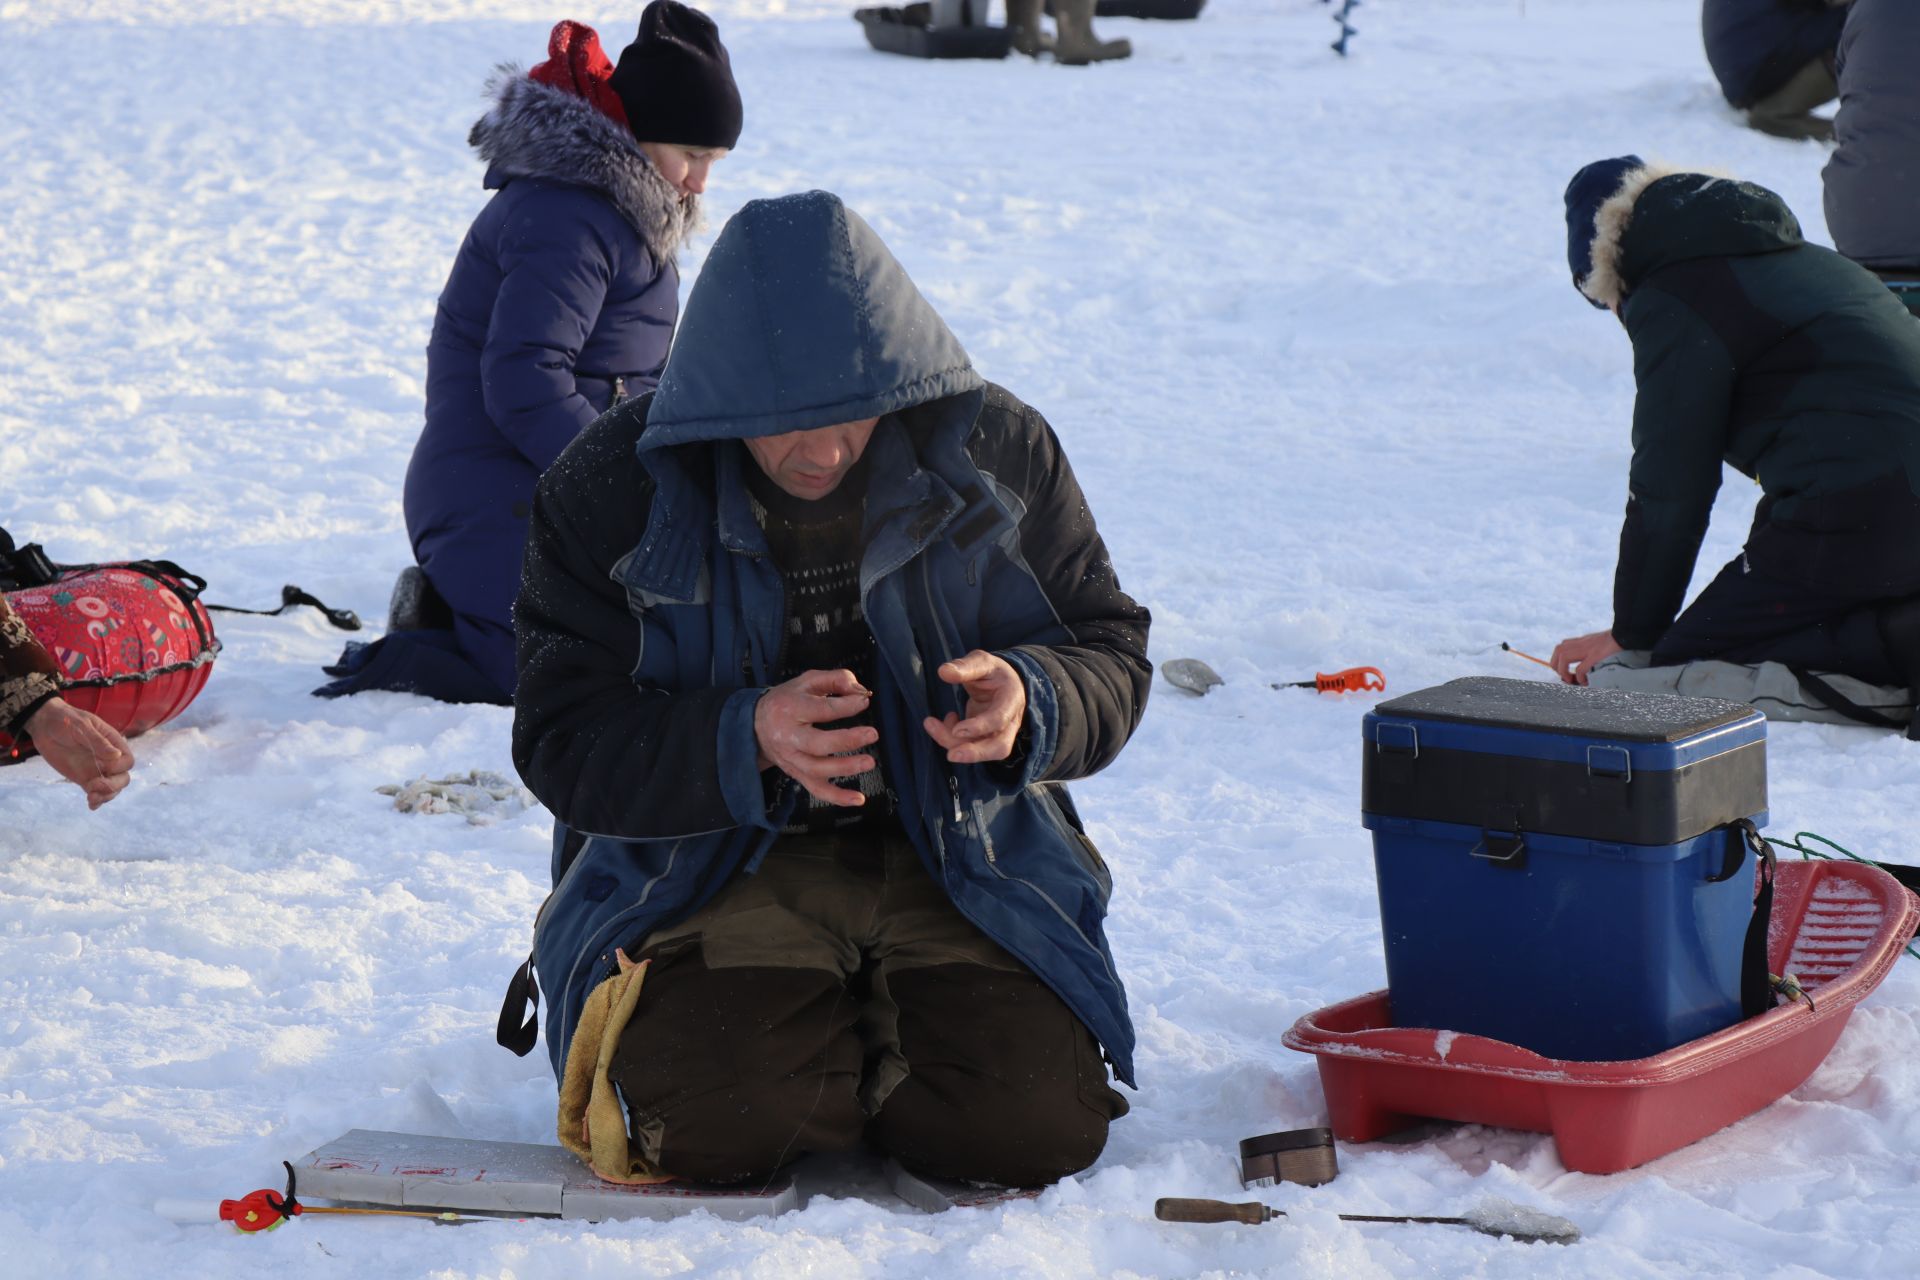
(1783, 359)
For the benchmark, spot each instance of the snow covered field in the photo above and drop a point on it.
(1305, 327)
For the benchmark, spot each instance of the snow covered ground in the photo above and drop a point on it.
(1305, 327)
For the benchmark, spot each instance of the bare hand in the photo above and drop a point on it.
(783, 724)
(1574, 659)
(996, 708)
(82, 748)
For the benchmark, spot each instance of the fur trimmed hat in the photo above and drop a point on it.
(1590, 189)
(676, 80)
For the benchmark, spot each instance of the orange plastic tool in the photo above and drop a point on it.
(1352, 680)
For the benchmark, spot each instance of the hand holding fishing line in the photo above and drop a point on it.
(996, 708)
(1575, 658)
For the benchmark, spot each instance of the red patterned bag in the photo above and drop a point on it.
(133, 642)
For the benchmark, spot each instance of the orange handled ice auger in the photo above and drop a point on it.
(1352, 680)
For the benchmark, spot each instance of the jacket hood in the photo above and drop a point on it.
(800, 318)
(537, 131)
(1661, 215)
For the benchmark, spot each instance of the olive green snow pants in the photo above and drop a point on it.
(837, 995)
(1787, 112)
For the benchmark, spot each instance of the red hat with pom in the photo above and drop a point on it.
(576, 65)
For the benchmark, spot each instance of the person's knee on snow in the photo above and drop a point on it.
(1002, 1083)
(730, 1073)
(1774, 60)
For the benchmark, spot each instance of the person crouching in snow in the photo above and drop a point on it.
(563, 297)
(1774, 60)
(1794, 366)
(810, 639)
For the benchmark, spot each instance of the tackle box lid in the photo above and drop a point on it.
(1549, 720)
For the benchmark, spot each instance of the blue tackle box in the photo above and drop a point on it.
(1558, 866)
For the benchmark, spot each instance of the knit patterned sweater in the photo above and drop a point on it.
(816, 545)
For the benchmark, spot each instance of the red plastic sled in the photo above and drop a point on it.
(1837, 926)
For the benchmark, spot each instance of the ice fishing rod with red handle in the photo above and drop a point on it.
(265, 1209)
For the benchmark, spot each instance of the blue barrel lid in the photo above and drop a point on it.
(1549, 720)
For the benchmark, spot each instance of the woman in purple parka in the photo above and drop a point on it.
(561, 303)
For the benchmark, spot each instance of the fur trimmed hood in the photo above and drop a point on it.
(537, 131)
(1711, 214)
(1604, 284)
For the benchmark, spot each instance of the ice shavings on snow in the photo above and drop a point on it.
(483, 795)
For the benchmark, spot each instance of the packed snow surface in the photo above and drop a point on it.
(1305, 327)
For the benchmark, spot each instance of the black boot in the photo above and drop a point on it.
(415, 605)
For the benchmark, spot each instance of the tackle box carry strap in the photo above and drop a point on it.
(511, 1032)
(1756, 980)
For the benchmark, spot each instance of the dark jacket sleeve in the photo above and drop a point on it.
(1872, 181)
(1685, 379)
(556, 260)
(29, 678)
(1085, 694)
(609, 751)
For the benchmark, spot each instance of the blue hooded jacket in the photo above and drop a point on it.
(651, 614)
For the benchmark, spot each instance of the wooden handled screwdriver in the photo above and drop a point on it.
(1494, 1219)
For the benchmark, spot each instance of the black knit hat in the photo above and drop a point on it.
(676, 81)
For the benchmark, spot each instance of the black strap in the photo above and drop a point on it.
(29, 566)
(511, 1032)
(290, 595)
(23, 567)
(1818, 687)
(1756, 982)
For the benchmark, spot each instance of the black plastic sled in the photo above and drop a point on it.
(906, 31)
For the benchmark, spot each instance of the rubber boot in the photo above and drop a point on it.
(1076, 45)
(1023, 19)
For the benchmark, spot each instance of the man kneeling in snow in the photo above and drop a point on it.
(1797, 368)
(808, 641)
